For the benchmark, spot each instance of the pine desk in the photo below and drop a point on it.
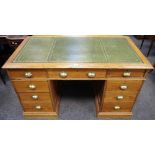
(115, 65)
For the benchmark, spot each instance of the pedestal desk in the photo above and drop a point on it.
(114, 64)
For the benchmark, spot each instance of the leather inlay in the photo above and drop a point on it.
(77, 49)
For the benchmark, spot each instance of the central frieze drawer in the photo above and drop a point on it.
(31, 86)
(77, 73)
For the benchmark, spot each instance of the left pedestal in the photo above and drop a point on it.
(39, 96)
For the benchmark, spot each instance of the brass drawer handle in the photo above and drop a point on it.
(127, 74)
(28, 74)
(14, 43)
(120, 97)
(38, 107)
(117, 107)
(35, 97)
(63, 74)
(123, 87)
(31, 86)
(91, 74)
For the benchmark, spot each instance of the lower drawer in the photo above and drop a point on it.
(111, 96)
(40, 107)
(117, 107)
(35, 97)
(118, 85)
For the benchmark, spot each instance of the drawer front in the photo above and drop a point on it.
(31, 86)
(120, 97)
(117, 107)
(28, 74)
(40, 107)
(124, 85)
(35, 97)
(126, 73)
(76, 74)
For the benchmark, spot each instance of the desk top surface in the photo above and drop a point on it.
(77, 49)
(57, 49)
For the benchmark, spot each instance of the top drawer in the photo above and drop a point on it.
(126, 73)
(26, 73)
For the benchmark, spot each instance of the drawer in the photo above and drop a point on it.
(77, 73)
(126, 73)
(28, 74)
(40, 107)
(120, 97)
(117, 107)
(123, 85)
(31, 86)
(35, 97)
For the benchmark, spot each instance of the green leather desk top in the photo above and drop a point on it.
(77, 49)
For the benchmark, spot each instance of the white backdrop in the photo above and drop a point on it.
(70, 17)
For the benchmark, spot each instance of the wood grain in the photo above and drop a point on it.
(27, 97)
(98, 90)
(23, 86)
(111, 96)
(76, 73)
(117, 115)
(114, 85)
(45, 76)
(31, 107)
(20, 73)
(119, 73)
(124, 106)
(145, 65)
(54, 87)
(40, 115)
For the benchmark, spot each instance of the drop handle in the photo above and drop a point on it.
(63, 74)
(123, 87)
(91, 74)
(14, 43)
(31, 86)
(127, 74)
(117, 107)
(120, 97)
(34, 97)
(28, 74)
(38, 107)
